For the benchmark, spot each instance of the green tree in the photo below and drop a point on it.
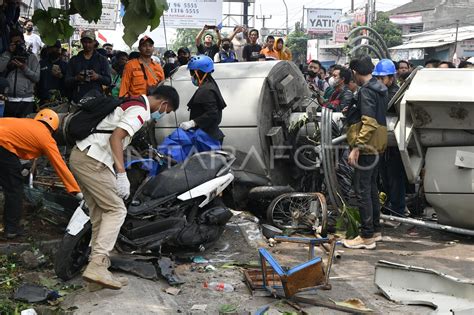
(54, 23)
(297, 42)
(390, 32)
(185, 37)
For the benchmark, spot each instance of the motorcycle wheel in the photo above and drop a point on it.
(299, 211)
(73, 253)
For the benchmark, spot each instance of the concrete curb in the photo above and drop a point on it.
(46, 247)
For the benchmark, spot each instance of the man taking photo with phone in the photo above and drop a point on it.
(208, 48)
(22, 71)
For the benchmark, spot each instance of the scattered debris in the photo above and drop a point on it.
(210, 268)
(29, 311)
(32, 293)
(228, 309)
(199, 307)
(355, 304)
(135, 265)
(200, 260)
(270, 231)
(272, 242)
(219, 286)
(32, 260)
(421, 286)
(252, 234)
(147, 267)
(309, 275)
(172, 291)
(166, 266)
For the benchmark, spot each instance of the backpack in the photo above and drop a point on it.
(92, 110)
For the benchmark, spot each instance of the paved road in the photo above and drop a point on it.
(353, 276)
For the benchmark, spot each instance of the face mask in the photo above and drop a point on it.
(29, 29)
(195, 81)
(183, 60)
(332, 82)
(312, 74)
(157, 115)
(170, 60)
(226, 46)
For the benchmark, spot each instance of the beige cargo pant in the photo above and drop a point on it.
(106, 209)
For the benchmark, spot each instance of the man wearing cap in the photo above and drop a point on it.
(88, 70)
(141, 75)
(53, 72)
(183, 56)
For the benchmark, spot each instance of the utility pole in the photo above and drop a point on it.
(286, 7)
(370, 12)
(374, 12)
(246, 13)
(264, 17)
(302, 20)
(352, 5)
(367, 13)
(456, 40)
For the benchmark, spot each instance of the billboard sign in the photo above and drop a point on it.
(108, 19)
(193, 13)
(341, 31)
(322, 21)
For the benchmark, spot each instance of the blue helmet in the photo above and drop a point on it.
(384, 67)
(202, 63)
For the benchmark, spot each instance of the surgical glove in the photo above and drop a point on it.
(123, 185)
(187, 125)
(79, 196)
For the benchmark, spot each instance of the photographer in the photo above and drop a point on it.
(22, 72)
(88, 70)
(53, 71)
(208, 48)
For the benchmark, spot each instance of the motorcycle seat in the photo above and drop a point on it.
(180, 178)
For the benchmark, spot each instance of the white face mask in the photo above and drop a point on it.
(332, 82)
(170, 60)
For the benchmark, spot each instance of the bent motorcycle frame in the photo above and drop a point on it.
(210, 190)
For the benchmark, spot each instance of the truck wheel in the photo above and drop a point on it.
(73, 253)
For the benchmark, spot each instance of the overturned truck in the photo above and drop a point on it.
(272, 125)
(280, 134)
(434, 131)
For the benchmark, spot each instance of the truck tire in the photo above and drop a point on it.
(73, 253)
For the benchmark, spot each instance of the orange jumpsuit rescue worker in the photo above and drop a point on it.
(26, 139)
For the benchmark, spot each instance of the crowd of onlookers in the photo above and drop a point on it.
(39, 74)
(334, 87)
(36, 73)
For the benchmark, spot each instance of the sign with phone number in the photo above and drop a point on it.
(193, 13)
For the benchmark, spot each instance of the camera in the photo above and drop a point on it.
(21, 54)
(87, 75)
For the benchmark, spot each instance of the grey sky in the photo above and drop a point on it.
(276, 9)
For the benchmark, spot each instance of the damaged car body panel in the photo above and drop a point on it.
(413, 285)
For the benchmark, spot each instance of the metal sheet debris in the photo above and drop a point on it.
(421, 286)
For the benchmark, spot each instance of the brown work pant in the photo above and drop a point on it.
(106, 209)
